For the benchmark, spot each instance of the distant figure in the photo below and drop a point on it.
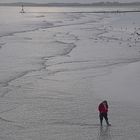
(22, 9)
(103, 110)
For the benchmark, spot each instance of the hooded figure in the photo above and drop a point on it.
(103, 110)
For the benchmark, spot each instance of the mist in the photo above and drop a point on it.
(66, 1)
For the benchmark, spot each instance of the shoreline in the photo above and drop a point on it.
(94, 4)
(78, 9)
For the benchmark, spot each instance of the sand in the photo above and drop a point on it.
(55, 68)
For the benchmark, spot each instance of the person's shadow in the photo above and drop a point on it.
(104, 133)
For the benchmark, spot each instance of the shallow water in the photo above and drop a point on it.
(13, 21)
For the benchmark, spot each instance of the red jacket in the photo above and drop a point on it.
(103, 108)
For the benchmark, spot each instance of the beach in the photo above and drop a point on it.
(57, 66)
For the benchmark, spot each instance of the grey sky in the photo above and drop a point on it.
(66, 1)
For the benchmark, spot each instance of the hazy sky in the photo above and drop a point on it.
(66, 1)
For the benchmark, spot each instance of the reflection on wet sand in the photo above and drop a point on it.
(104, 133)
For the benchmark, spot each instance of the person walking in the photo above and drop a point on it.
(103, 112)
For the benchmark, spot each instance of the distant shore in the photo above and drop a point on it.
(71, 4)
(115, 11)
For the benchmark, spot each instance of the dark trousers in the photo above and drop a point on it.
(103, 115)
